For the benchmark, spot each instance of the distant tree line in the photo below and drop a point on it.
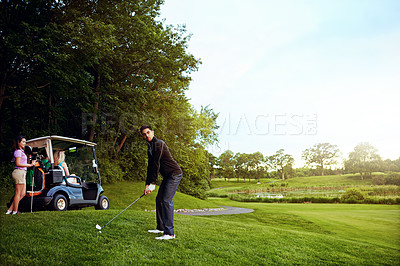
(319, 161)
(98, 70)
(364, 159)
(253, 166)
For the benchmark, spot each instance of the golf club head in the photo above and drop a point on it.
(98, 227)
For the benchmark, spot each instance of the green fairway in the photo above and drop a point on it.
(376, 224)
(273, 234)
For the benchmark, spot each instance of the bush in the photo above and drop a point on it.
(110, 171)
(352, 196)
(385, 190)
(6, 180)
(379, 180)
(393, 179)
(379, 200)
(247, 198)
(217, 194)
(390, 179)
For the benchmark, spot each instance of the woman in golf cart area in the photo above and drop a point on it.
(19, 173)
(59, 159)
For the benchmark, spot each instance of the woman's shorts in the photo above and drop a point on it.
(19, 176)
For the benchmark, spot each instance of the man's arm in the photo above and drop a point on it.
(153, 167)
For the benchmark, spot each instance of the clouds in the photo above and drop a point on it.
(336, 59)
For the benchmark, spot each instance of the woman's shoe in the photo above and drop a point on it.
(8, 212)
(17, 212)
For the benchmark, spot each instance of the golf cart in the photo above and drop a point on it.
(48, 187)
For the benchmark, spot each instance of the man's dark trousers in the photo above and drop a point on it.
(164, 204)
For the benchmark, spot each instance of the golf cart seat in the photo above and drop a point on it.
(73, 181)
(60, 168)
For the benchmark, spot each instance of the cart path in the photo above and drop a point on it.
(224, 210)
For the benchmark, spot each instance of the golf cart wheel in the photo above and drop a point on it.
(103, 203)
(60, 203)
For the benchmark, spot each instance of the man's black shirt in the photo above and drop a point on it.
(160, 161)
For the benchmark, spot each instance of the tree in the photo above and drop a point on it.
(321, 155)
(226, 164)
(391, 166)
(257, 165)
(281, 162)
(98, 70)
(36, 71)
(242, 167)
(364, 160)
(212, 160)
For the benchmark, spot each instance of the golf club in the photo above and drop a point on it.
(98, 227)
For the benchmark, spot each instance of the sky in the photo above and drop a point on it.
(289, 74)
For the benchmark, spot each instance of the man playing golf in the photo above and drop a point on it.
(161, 161)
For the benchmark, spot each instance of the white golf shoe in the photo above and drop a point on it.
(165, 237)
(156, 231)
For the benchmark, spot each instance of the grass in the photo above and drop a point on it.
(278, 234)
(272, 234)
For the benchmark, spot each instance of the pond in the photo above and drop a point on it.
(267, 195)
(293, 193)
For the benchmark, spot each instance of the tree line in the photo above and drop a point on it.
(98, 70)
(319, 159)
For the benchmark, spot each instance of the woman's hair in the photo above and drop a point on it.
(17, 141)
(59, 157)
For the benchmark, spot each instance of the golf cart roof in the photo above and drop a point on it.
(58, 139)
(54, 143)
